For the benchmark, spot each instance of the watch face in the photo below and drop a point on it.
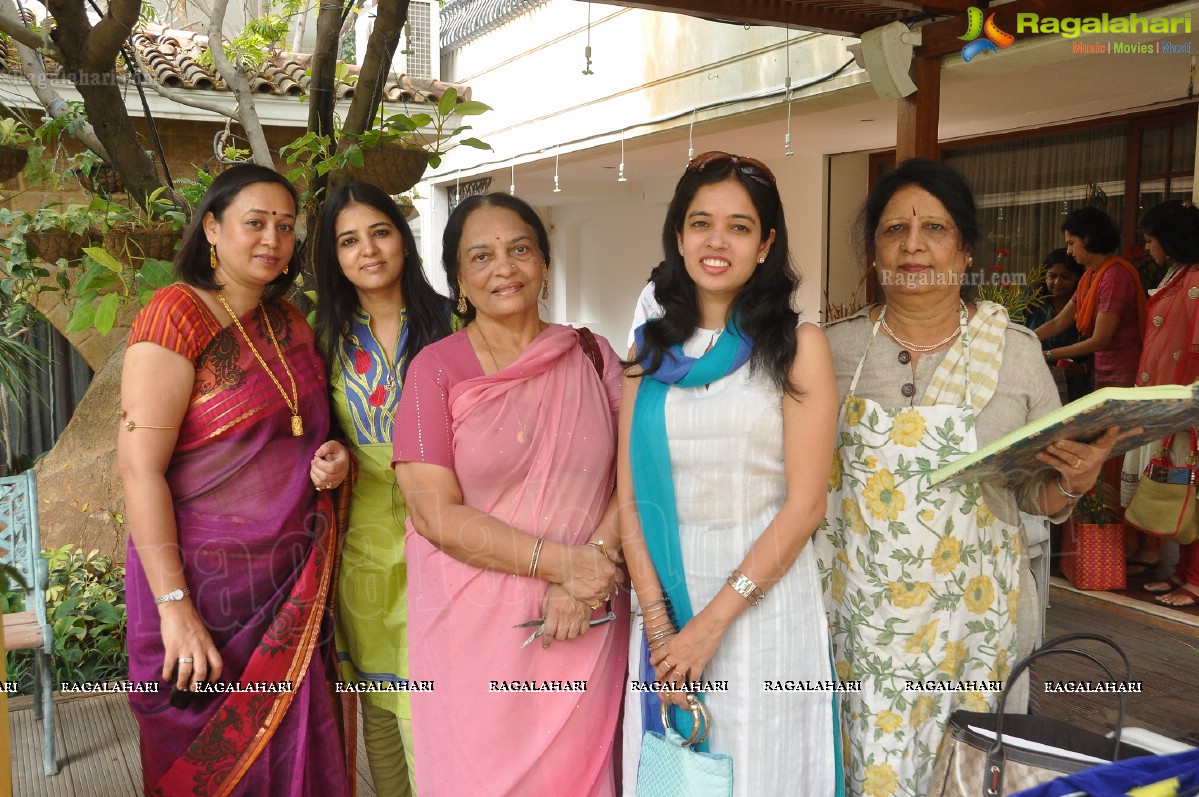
(176, 595)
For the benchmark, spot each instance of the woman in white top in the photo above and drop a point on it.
(725, 448)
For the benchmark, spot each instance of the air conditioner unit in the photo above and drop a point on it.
(418, 53)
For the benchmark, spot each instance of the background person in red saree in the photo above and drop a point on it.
(376, 312)
(1109, 306)
(1171, 353)
(221, 444)
(504, 449)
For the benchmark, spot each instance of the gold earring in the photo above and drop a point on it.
(545, 284)
(680, 250)
(285, 267)
(761, 259)
(970, 261)
(212, 261)
(461, 301)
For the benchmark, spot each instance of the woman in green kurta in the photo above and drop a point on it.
(375, 312)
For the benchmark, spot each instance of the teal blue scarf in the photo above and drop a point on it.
(653, 482)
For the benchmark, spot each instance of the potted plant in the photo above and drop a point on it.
(135, 232)
(97, 175)
(1093, 541)
(15, 139)
(60, 232)
(393, 154)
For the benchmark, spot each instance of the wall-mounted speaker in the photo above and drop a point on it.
(886, 53)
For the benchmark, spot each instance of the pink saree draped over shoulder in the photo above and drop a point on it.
(257, 545)
(533, 445)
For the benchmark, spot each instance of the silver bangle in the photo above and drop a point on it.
(1069, 496)
(745, 587)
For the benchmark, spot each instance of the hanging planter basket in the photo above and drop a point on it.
(12, 161)
(135, 244)
(51, 245)
(104, 180)
(393, 167)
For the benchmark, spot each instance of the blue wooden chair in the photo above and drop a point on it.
(21, 547)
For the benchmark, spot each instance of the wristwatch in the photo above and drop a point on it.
(173, 595)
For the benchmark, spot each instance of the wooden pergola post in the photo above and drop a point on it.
(919, 114)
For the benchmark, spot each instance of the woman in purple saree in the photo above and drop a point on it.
(231, 551)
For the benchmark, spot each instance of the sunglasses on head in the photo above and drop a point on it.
(750, 167)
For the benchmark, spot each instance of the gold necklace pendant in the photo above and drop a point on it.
(292, 402)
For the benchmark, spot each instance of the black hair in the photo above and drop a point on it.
(763, 306)
(943, 182)
(1094, 228)
(428, 311)
(452, 236)
(1061, 257)
(1175, 225)
(192, 261)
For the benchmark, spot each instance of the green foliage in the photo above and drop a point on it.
(410, 130)
(1019, 297)
(260, 38)
(1100, 505)
(109, 284)
(85, 604)
(15, 133)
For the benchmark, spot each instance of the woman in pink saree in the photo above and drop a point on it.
(504, 449)
(231, 551)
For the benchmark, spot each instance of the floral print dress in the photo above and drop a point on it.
(921, 584)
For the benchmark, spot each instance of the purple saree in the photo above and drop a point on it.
(257, 548)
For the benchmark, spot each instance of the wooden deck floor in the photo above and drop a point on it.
(97, 750)
(97, 736)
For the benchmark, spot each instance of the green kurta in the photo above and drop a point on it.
(372, 602)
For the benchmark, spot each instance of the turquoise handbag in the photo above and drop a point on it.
(670, 768)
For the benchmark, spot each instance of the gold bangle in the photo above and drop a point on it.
(603, 548)
(745, 587)
(536, 557)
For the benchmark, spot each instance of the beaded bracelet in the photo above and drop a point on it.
(536, 557)
(661, 644)
(745, 587)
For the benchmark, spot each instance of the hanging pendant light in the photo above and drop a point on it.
(620, 178)
(557, 188)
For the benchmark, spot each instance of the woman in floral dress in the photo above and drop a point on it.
(925, 584)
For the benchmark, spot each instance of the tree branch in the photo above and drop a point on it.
(184, 97)
(247, 115)
(11, 24)
(55, 105)
(376, 65)
(110, 34)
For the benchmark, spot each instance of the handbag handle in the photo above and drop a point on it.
(701, 720)
(1168, 443)
(993, 782)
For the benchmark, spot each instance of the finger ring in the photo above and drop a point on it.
(667, 664)
(1078, 465)
(328, 485)
(596, 606)
(185, 660)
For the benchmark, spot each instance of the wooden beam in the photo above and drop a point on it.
(942, 38)
(919, 114)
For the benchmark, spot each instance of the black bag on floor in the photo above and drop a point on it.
(971, 764)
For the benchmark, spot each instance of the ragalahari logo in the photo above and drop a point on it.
(993, 39)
